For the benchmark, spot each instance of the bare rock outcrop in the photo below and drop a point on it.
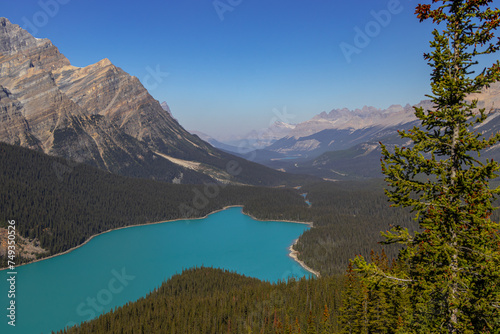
(97, 114)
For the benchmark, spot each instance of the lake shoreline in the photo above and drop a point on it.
(120, 228)
(293, 253)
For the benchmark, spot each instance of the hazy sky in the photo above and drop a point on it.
(237, 65)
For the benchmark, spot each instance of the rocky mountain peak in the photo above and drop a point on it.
(104, 62)
(346, 119)
(14, 39)
(166, 108)
(97, 114)
(283, 125)
(103, 116)
(366, 110)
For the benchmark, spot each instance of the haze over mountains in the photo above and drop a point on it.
(344, 144)
(340, 129)
(322, 132)
(102, 116)
(253, 140)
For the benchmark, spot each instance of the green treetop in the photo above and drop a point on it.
(453, 263)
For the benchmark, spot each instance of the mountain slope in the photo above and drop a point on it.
(102, 116)
(346, 145)
(342, 128)
(363, 160)
(61, 204)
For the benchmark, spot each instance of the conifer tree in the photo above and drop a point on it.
(326, 326)
(351, 299)
(378, 314)
(311, 326)
(296, 329)
(453, 275)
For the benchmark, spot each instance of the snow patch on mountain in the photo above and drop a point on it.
(345, 119)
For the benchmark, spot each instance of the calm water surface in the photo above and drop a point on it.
(124, 265)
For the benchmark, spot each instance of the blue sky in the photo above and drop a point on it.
(230, 63)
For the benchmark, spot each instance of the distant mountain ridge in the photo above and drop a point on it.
(165, 107)
(102, 116)
(345, 119)
(253, 140)
(343, 128)
(337, 129)
(347, 143)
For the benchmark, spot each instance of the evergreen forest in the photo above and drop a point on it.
(417, 252)
(64, 209)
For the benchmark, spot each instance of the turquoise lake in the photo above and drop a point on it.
(124, 265)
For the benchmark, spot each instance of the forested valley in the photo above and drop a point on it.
(62, 204)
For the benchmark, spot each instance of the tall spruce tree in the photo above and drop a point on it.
(453, 276)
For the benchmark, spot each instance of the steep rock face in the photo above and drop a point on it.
(51, 90)
(98, 114)
(20, 51)
(106, 90)
(13, 126)
(102, 116)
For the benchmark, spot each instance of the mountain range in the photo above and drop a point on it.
(102, 116)
(250, 141)
(354, 152)
(344, 144)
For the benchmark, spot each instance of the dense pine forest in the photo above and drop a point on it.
(348, 218)
(438, 270)
(210, 300)
(207, 300)
(62, 204)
